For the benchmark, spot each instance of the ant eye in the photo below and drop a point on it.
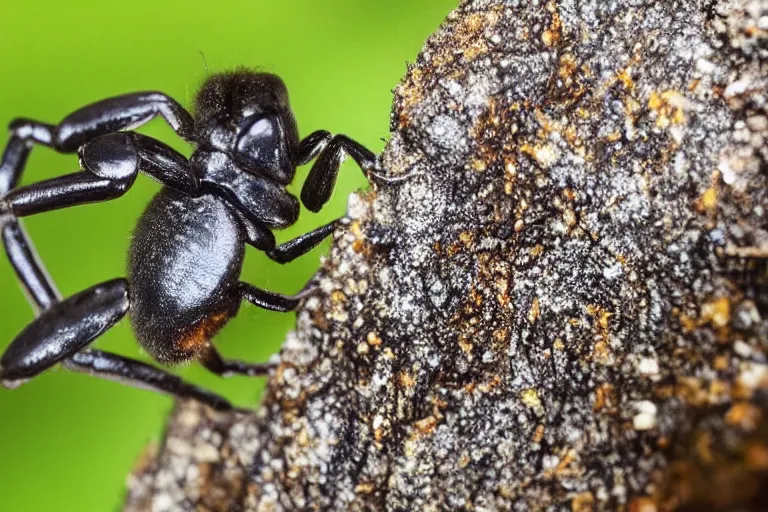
(262, 146)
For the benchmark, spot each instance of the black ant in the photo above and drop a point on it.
(187, 251)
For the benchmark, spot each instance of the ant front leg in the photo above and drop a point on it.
(299, 246)
(330, 152)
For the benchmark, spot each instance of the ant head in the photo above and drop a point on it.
(247, 115)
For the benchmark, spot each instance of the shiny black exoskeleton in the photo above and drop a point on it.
(185, 258)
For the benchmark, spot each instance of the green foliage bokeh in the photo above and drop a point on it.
(67, 441)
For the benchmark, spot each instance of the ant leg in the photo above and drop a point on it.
(113, 161)
(330, 153)
(262, 238)
(100, 118)
(301, 245)
(111, 164)
(270, 300)
(118, 113)
(213, 362)
(40, 289)
(165, 164)
(24, 134)
(137, 374)
(68, 190)
(106, 116)
(311, 146)
(62, 330)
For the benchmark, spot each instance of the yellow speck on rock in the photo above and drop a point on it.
(642, 504)
(707, 203)
(465, 344)
(365, 488)
(535, 311)
(466, 238)
(552, 35)
(668, 106)
(584, 502)
(717, 312)
(426, 425)
(406, 380)
(546, 155)
(338, 297)
(531, 399)
(373, 339)
(744, 415)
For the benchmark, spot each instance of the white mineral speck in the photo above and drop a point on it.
(162, 502)
(705, 66)
(736, 88)
(613, 271)
(752, 374)
(645, 419)
(648, 366)
(742, 349)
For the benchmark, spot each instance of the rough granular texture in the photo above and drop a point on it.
(564, 308)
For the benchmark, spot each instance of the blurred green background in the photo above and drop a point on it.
(68, 440)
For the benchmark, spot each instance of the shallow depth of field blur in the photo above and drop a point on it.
(69, 440)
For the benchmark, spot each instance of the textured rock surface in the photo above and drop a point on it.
(565, 308)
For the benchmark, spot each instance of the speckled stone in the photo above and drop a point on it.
(564, 308)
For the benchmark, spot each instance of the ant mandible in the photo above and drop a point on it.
(187, 251)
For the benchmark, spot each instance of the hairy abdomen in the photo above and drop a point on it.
(183, 266)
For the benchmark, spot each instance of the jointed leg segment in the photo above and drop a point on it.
(292, 249)
(269, 300)
(330, 151)
(39, 287)
(65, 328)
(24, 134)
(135, 373)
(214, 363)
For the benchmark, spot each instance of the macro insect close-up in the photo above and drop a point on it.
(176, 274)
(538, 282)
(187, 251)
